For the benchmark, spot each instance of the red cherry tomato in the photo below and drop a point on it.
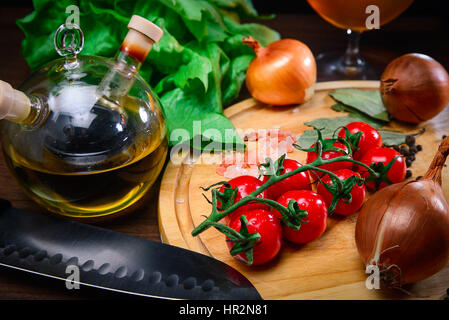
(327, 155)
(300, 181)
(246, 185)
(369, 139)
(384, 155)
(270, 230)
(357, 193)
(316, 218)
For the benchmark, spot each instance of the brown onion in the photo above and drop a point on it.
(404, 228)
(282, 73)
(414, 88)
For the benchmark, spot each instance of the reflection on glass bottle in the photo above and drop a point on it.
(76, 140)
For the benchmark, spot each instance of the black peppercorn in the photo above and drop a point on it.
(419, 147)
(408, 162)
(408, 174)
(410, 140)
(403, 150)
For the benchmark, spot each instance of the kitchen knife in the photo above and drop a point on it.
(50, 246)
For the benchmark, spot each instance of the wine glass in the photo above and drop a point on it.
(355, 16)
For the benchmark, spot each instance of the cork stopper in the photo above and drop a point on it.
(141, 36)
(146, 27)
(14, 104)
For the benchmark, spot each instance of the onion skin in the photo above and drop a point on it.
(283, 73)
(414, 88)
(404, 228)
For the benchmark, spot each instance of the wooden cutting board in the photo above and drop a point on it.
(327, 268)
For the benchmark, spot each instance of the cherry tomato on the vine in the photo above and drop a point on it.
(270, 230)
(327, 155)
(315, 221)
(299, 181)
(370, 137)
(357, 192)
(384, 155)
(246, 185)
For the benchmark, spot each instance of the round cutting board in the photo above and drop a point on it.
(327, 268)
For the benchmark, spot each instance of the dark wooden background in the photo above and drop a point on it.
(422, 28)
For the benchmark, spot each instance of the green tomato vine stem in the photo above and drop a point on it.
(218, 215)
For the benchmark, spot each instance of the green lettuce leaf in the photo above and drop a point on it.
(196, 69)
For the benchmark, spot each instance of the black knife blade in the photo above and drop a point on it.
(47, 245)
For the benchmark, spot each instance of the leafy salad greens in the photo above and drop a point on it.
(196, 69)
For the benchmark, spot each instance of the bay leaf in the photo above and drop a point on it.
(368, 102)
(307, 139)
(375, 123)
(329, 128)
(390, 138)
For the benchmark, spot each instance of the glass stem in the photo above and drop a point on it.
(352, 57)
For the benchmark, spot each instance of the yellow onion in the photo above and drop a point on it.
(414, 88)
(403, 229)
(282, 73)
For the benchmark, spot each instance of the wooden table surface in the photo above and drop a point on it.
(405, 34)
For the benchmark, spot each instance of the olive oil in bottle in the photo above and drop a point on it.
(85, 137)
(90, 194)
